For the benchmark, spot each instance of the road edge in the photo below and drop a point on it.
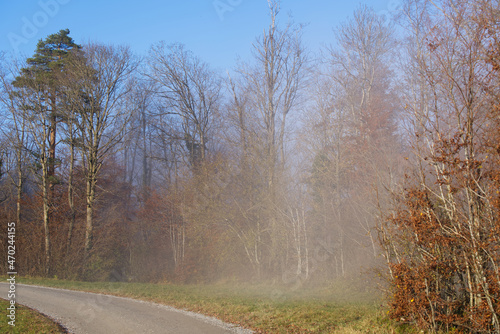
(61, 327)
(234, 328)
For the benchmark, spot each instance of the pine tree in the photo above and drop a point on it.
(41, 74)
(40, 89)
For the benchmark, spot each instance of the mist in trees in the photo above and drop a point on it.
(294, 167)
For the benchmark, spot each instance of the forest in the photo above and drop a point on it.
(297, 166)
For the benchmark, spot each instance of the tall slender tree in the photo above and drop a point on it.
(265, 93)
(97, 85)
(39, 92)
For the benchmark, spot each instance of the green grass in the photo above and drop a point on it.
(28, 321)
(263, 308)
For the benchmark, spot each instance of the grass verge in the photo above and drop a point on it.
(28, 321)
(265, 309)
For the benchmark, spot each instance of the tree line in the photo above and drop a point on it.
(293, 167)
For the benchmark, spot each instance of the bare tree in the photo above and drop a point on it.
(15, 130)
(349, 141)
(265, 92)
(30, 107)
(361, 60)
(70, 119)
(326, 138)
(99, 82)
(273, 85)
(190, 89)
(138, 152)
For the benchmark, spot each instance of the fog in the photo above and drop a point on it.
(347, 174)
(160, 168)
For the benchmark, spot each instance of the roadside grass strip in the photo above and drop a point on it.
(28, 321)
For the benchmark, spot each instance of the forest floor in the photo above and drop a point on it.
(264, 308)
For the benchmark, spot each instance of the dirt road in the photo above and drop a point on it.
(83, 312)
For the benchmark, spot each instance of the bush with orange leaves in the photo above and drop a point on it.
(443, 272)
(442, 238)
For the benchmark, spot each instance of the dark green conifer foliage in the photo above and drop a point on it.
(41, 75)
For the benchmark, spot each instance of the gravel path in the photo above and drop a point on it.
(84, 312)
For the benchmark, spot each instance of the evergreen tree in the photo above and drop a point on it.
(38, 85)
(41, 74)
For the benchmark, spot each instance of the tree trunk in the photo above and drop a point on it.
(146, 166)
(90, 213)
(71, 201)
(19, 187)
(46, 208)
(52, 149)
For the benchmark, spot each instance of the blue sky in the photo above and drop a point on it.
(218, 31)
